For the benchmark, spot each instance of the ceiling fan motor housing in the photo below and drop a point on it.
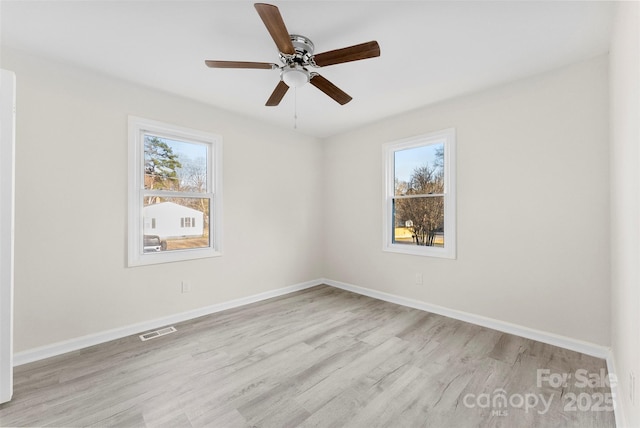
(304, 50)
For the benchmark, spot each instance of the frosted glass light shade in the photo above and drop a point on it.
(295, 77)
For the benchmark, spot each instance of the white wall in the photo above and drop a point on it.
(71, 194)
(625, 202)
(533, 215)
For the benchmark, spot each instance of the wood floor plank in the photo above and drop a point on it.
(321, 357)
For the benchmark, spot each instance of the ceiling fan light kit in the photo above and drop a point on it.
(297, 56)
(295, 76)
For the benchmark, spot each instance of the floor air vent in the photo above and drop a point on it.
(157, 333)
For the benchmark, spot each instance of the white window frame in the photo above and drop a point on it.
(137, 128)
(448, 137)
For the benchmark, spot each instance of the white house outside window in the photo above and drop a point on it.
(175, 193)
(419, 201)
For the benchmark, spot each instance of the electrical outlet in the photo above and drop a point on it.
(186, 287)
(418, 279)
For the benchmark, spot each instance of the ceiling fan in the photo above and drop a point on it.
(297, 56)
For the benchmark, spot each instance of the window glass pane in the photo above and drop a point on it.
(180, 223)
(419, 170)
(419, 221)
(174, 165)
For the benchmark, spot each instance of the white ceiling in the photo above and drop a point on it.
(430, 50)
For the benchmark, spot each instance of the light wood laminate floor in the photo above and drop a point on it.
(319, 357)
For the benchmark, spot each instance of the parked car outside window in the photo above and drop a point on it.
(153, 243)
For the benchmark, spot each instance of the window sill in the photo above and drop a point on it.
(171, 257)
(424, 251)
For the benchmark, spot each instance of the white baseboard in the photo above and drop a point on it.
(506, 327)
(94, 339)
(71, 345)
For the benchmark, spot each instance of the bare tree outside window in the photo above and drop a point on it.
(419, 203)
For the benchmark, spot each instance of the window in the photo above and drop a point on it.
(419, 202)
(175, 193)
(188, 222)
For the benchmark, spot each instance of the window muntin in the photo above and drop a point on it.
(175, 193)
(419, 205)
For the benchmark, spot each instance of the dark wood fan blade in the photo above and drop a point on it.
(277, 94)
(330, 89)
(272, 19)
(352, 53)
(240, 64)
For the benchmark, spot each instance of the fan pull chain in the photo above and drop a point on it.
(295, 108)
